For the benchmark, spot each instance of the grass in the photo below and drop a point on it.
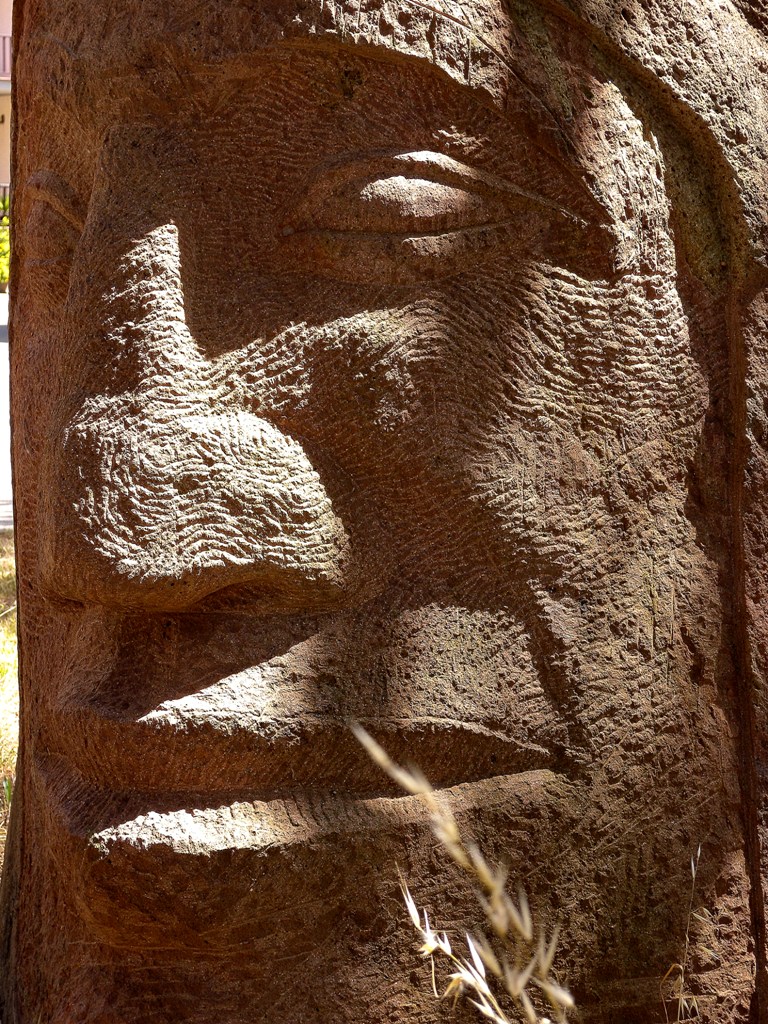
(9, 695)
(503, 975)
(687, 1006)
(5, 241)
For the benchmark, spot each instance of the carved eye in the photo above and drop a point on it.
(422, 215)
(53, 225)
(403, 205)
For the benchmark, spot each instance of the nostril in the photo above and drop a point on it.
(163, 512)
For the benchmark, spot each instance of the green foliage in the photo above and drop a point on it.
(5, 239)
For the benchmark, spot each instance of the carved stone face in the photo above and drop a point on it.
(374, 396)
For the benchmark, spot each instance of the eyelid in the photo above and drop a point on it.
(454, 172)
(423, 164)
(389, 235)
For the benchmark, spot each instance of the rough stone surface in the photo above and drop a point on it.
(401, 362)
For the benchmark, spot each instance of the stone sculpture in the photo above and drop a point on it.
(397, 362)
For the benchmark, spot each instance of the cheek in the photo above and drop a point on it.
(382, 374)
(462, 367)
(600, 415)
(597, 362)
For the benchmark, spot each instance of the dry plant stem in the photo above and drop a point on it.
(512, 924)
(686, 1005)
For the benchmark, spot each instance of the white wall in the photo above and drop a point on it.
(6, 7)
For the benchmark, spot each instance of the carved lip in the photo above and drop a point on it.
(196, 822)
(161, 753)
(125, 858)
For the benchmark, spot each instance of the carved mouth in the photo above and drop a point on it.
(210, 871)
(214, 759)
(185, 704)
(229, 753)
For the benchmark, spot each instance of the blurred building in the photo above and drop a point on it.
(6, 7)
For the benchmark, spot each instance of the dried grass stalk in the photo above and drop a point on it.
(494, 973)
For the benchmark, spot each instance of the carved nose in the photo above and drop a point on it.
(166, 510)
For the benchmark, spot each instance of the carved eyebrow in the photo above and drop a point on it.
(51, 188)
(175, 57)
(479, 37)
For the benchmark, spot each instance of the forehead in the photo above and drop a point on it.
(131, 46)
(209, 31)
